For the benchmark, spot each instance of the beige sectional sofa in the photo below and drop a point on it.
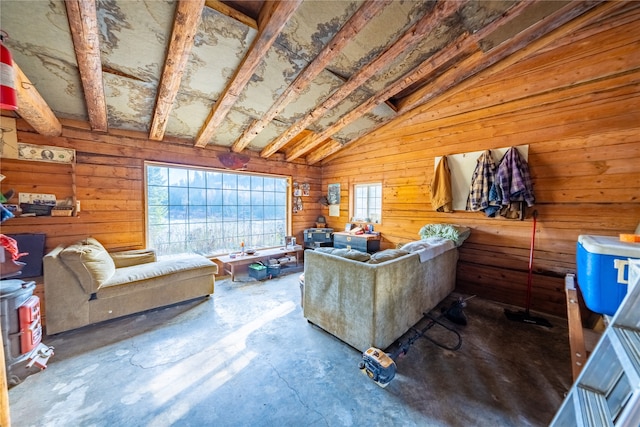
(85, 284)
(371, 301)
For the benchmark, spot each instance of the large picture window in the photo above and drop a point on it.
(210, 212)
(367, 203)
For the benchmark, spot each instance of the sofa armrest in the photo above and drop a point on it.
(133, 257)
(66, 302)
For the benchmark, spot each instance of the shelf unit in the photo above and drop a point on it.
(607, 391)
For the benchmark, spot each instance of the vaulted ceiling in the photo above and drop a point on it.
(303, 78)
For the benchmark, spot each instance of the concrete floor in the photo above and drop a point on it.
(247, 357)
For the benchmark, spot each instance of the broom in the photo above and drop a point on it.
(525, 316)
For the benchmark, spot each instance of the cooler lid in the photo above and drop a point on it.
(608, 245)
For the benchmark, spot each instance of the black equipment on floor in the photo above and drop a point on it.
(381, 366)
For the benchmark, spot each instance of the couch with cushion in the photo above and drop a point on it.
(85, 284)
(372, 300)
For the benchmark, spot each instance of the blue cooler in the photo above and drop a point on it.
(603, 271)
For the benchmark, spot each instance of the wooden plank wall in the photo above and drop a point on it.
(576, 103)
(110, 186)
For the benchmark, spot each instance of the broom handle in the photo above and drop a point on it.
(530, 276)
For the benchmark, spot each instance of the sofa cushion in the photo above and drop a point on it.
(386, 255)
(325, 249)
(345, 253)
(90, 262)
(133, 257)
(165, 271)
(351, 254)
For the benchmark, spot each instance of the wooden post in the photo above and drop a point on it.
(576, 334)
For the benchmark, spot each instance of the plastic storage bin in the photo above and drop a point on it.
(258, 271)
(603, 271)
(273, 270)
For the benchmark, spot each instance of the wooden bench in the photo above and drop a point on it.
(230, 263)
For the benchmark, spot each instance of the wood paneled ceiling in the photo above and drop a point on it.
(300, 79)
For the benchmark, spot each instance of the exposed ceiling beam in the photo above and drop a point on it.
(273, 17)
(83, 23)
(232, 13)
(416, 33)
(461, 47)
(464, 46)
(479, 65)
(516, 45)
(185, 26)
(358, 20)
(33, 108)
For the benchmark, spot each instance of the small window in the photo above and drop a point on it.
(367, 203)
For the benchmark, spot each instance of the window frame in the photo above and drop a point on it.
(354, 202)
(228, 244)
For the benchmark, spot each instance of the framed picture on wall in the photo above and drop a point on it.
(43, 153)
(334, 194)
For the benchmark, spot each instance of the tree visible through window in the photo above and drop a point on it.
(368, 203)
(211, 212)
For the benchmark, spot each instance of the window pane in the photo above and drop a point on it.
(244, 197)
(270, 213)
(257, 183)
(244, 182)
(269, 184)
(244, 213)
(281, 199)
(257, 199)
(158, 214)
(269, 198)
(197, 179)
(178, 177)
(230, 181)
(229, 197)
(157, 175)
(178, 196)
(211, 212)
(177, 213)
(158, 195)
(230, 213)
(214, 180)
(368, 203)
(214, 213)
(197, 214)
(280, 185)
(214, 197)
(197, 197)
(257, 212)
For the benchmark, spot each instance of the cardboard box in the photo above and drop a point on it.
(603, 271)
